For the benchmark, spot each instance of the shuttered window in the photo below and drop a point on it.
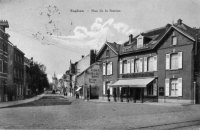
(125, 66)
(150, 65)
(167, 87)
(128, 66)
(137, 65)
(104, 68)
(167, 61)
(145, 64)
(155, 63)
(120, 66)
(108, 69)
(180, 87)
(111, 68)
(141, 65)
(132, 65)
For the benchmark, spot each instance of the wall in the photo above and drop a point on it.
(184, 45)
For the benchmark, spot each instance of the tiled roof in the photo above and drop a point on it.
(114, 46)
(153, 37)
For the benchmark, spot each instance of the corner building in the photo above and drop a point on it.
(161, 65)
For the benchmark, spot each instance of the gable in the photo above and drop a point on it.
(108, 50)
(167, 41)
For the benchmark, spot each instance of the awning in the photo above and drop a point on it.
(137, 82)
(79, 88)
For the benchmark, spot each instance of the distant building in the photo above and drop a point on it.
(3, 60)
(15, 73)
(54, 82)
(27, 76)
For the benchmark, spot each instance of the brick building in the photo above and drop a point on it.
(15, 72)
(160, 65)
(3, 60)
(27, 77)
(108, 56)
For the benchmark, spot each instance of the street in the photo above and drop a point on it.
(56, 112)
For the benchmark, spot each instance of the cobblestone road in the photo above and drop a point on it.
(59, 113)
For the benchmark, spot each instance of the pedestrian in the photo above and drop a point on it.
(108, 94)
(115, 94)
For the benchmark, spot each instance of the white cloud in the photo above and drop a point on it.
(97, 34)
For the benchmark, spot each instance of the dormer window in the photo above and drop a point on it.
(140, 41)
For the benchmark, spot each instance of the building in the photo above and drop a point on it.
(54, 82)
(27, 77)
(89, 82)
(78, 67)
(15, 72)
(161, 65)
(3, 60)
(109, 57)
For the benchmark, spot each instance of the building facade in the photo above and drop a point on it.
(3, 61)
(27, 77)
(108, 56)
(89, 82)
(160, 65)
(15, 72)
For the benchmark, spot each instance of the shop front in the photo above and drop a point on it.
(134, 90)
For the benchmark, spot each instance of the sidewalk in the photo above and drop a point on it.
(145, 103)
(11, 103)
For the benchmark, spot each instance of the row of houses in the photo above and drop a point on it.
(14, 68)
(162, 65)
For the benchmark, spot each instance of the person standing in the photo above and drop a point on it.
(108, 94)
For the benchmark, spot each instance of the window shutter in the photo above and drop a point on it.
(155, 63)
(141, 61)
(104, 88)
(111, 69)
(128, 66)
(180, 60)
(166, 87)
(120, 66)
(167, 61)
(145, 64)
(179, 86)
(132, 65)
(104, 68)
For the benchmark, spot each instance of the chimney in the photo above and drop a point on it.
(92, 56)
(167, 26)
(4, 24)
(179, 21)
(130, 38)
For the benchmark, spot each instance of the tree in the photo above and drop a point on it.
(38, 80)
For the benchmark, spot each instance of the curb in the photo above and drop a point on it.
(13, 103)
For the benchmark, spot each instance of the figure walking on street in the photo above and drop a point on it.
(108, 94)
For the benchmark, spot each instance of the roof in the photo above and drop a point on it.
(114, 46)
(154, 37)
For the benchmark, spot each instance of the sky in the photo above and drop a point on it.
(54, 32)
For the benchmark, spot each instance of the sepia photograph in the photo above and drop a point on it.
(100, 64)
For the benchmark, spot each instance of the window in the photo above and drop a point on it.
(174, 61)
(5, 67)
(128, 66)
(1, 65)
(104, 68)
(137, 65)
(173, 87)
(109, 68)
(121, 67)
(132, 66)
(174, 40)
(125, 66)
(107, 53)
(140, 42)
(150, 63)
